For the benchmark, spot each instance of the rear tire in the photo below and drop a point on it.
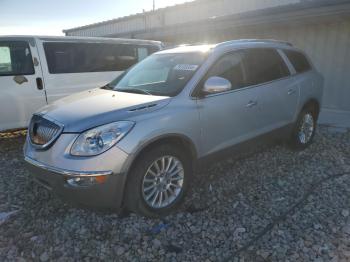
(158, 181)
(304, 129)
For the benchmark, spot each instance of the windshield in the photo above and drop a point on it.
(160, 74)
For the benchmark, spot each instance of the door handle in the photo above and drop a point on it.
(251, 104)
(291, 91)
(39, 83)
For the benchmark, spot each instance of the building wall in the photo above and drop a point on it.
(216, 8)
(188, 12)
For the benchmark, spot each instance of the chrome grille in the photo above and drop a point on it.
(43, 132)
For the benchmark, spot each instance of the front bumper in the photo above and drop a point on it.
(105, 195)
(53, 166)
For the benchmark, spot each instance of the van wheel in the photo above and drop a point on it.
(304, 129)
(158, 181)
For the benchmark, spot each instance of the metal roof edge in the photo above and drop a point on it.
(303, 4)
(255, 14)
(159, 10)
(81, 38)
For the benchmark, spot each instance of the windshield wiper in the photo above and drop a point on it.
(135, 90)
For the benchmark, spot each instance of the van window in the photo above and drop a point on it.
(92, 57)
(142, 53)
(298, 60)
(263, 65)
(15, 58)
(229, 67)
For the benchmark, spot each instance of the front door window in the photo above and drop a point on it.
(15, 58)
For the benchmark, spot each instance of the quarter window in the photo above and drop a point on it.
(263, 65)
(15, 58)
(298, 60)
(92, 57)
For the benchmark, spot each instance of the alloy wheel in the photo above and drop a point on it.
(306, 128)
(163, 182)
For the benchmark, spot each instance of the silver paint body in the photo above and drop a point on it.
(210, 124)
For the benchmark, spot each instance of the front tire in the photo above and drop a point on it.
(304, 129)
(158, 181)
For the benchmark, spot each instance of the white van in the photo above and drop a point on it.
(35, 71)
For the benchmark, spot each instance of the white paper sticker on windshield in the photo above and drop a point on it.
(186, 67)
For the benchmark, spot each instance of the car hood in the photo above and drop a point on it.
(85, 110)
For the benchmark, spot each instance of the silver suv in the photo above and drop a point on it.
(135, 142)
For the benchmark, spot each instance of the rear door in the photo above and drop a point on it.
(279, 92)
(77, 66)
(21, 87)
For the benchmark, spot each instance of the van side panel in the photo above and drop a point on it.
(63, 84)
(20, 71)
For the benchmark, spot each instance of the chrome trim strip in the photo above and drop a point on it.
(65, 171)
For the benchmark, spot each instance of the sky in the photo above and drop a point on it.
(50, 17)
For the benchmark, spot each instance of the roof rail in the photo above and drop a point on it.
(256, 41)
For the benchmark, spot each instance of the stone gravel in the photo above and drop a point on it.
(272, 205)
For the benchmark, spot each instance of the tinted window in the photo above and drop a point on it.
(153, 48)
(298, 60)
(263, 65)
(230, 67)
(15, 58)
(92, 57)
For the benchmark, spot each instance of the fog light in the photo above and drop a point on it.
(86, 181)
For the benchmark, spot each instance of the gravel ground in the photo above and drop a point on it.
(269, 206)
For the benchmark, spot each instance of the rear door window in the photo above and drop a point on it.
(298, 60)
(15, 58)
(92, 57)
(263, 65)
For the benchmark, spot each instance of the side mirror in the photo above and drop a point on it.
(216, 84)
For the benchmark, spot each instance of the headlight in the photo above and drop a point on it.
(98, 140)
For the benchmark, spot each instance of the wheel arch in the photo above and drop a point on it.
(176, 139)
(312, 102)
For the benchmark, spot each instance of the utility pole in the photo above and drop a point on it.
(154, 5)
